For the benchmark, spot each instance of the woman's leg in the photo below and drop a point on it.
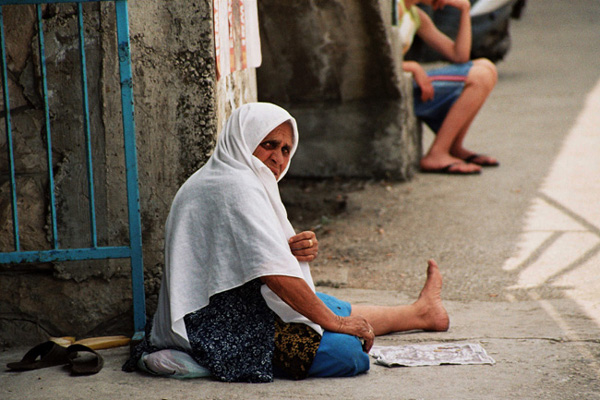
(447, 148)
(427, 313)
(342, 355)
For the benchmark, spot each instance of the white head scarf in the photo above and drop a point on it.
(227, 226)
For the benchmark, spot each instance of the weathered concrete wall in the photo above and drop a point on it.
(175, 111)
(179, 107)
(375, 138)
(336, 67)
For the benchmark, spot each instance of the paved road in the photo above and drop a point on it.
(519, 247)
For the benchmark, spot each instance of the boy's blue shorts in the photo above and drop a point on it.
(339, 354)
(448, 83)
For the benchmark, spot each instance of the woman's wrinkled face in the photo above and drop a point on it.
(274, 150)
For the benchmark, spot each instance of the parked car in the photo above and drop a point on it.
(490, 21)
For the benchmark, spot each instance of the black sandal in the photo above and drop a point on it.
(471, 159)
(47, 354)
(86, 364)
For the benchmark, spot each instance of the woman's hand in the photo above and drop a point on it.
(304, 246)
(298, 295)
(360, 327)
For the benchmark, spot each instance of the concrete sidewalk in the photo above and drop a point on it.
(519, 247)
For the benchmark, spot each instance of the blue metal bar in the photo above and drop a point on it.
(47, 127)
(134, 250)
(86, 127)
(9, 143)
(92, 253)
(133, 200)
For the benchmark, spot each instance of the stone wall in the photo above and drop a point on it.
(337, 68)
(179, 106)
(334, 66)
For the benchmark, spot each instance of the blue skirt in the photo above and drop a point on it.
(339, 354)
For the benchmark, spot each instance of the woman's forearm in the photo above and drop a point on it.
(298, 295)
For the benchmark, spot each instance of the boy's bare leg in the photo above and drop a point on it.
(486, 74)
(447, 148)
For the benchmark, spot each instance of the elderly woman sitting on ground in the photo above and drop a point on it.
(237, 297)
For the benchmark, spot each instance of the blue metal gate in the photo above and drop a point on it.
(133, 250)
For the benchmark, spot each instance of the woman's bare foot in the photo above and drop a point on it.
(429, 302)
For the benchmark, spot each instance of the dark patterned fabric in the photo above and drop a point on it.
(233, 336)
(238, 338)
(295, 348)
(137, 350)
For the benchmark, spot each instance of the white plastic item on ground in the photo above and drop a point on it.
(172, 364)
